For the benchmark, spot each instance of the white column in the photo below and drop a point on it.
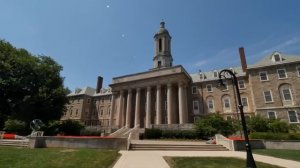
(137, 108)
(119, 115)
(128, 109)
(169, 103)
(148, 108)
(180, 102)
(158, 104)
(112, 111)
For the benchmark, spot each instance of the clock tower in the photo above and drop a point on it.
(162, 57)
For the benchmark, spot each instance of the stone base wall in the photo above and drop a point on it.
(63, 142)
(292, 145)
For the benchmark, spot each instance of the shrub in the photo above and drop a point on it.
(275, 136)
(257, 124)
(14, 126)
(152, 133)
(52, 128)
(212, 124)
(90, 132)
(70, 127)
(277, 126)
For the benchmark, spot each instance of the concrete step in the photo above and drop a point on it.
(177, 147)
(19, 143)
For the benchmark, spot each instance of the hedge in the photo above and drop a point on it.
(170, 134)
(275, 136)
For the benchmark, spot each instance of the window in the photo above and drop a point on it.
(293, 118)
(88, 100)
(226, 103)
(268, 96)
(244, 101)
(71, 112)
(76, 114)
(159, 45)
(194, 89)
(210, 104)
(196, 106)
(108, 109)
(281, 74)
(229, 118)
(209, 88)
(201, 76)
(298, 70)
(277, 58)
(271, 115)
(286, 94)
(215, 74)
(225, 86)
(159, 63)
(263, 76)
(102, 100)
(101, 112)
(241, 84)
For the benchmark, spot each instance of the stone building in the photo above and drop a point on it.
(168, 94)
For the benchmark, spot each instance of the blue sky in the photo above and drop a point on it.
(112, 38)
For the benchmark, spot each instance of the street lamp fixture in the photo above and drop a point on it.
(228, 74)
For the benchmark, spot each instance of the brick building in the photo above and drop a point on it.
(167, 94)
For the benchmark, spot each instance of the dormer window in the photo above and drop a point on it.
(215, 74)
(201, 76)
(159, 64)
(276, 57)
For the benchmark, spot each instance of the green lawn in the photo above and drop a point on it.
(12, 157)
(211, 162)
(280, 153)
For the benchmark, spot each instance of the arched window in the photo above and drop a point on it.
(160, 45)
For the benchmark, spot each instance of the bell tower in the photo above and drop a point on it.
(162, 57)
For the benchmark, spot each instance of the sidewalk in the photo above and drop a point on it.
(154, 159)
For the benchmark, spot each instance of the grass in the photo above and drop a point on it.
(211, 162)
(12, 157)
(280, 153)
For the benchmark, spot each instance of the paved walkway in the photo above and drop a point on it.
(154, 159)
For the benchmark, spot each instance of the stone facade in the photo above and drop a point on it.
(167, 94)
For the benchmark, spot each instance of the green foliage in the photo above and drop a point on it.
(31, 86)
(90, 132)
(14, 126)
(170, 134)
(152, 133)
(212, 124)
(275, 136)
(70, 127)
(278, 126)
(52, 128)
(257, 124)
(260, 124)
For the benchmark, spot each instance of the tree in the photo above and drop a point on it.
(212, 124)
(30, 86)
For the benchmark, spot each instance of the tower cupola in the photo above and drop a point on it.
(162, 57)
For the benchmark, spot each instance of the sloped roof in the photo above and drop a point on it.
(84, 91)
(268, 60)
(209, 75)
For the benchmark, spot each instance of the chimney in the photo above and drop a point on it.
(243, 59)
(99, 84)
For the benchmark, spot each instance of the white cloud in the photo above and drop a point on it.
(201, 63)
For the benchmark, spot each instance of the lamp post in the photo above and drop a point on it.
(224, 75)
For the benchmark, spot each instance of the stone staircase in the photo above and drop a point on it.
(18, 143)
(175, 146)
